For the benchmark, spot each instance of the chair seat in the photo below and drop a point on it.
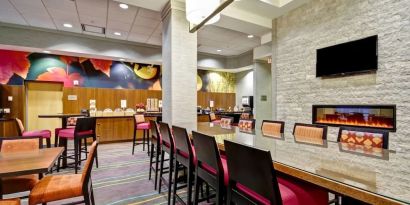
(69, 133)
(37, 133)
(19, 184)
(288, 196)
(305, 192)
(186, 155)
(213, 171)
(143, 126)
(57, 187)
(15, 201)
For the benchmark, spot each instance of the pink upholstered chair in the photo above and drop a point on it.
(140, 124)
(71, 122)
(44, 134)
(84, 128)
(213, 118)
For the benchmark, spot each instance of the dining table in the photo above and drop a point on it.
(375, 176)
(28, 162)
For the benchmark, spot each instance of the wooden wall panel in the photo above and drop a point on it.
(16, 106)
(221, 100)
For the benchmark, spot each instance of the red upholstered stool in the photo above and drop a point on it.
(71, 121)
(44, 134)
(85, 128)
(140, 124)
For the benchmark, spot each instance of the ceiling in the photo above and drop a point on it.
(141, 22)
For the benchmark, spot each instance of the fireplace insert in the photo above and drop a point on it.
(370, 116)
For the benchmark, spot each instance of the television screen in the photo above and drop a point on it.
(347, 58)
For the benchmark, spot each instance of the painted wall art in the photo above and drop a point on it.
(218, 82)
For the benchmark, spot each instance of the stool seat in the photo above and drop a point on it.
(287, 195)
(143, 126)
(211, 170)
(69, 133)
(37, 133)
(186, 155)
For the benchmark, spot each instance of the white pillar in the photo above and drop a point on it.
(179, 67)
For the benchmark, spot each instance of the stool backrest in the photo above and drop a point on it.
(207, 152)
(212, 116)
(154, 129)
(166, 134)
(85, 124)
(18, 144)
(139, 118)
(20, 127)
(182, 141)
(364, 136)
(252, 168)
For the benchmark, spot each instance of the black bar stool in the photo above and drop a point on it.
(167, 146)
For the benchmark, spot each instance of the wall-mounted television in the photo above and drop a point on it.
(347, 58)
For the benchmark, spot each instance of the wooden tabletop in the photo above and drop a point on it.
(32, 162)
(61, 115)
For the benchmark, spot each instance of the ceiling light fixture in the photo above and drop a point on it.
(123, 6)
(67, 25)
(45, 51)
(219, 50)
(197, 11)
(117, 33)
(122, 59)
(250, 36)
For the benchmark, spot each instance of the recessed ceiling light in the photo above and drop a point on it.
(122, 59)
(67, 25)
(219, 50)
(123, 6)
(46, 51)
(250, 36)
(117, 33)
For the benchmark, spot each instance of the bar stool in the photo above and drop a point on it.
(140, 124)
(168, 146)
(155, 151)
(84, 128)
(71, 121)
(252, 180)
(45, 134)
(210, 167)
(185, 156)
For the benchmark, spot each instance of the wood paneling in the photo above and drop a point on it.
(16, 106)
(221, 100)
(8, 128)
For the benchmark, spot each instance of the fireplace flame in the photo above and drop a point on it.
(354, 123)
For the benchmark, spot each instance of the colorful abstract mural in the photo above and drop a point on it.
(213, 81)
(17, 66)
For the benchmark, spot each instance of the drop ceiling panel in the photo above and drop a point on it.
(110, 34)
(62, 5)
(9, 14)
(92, 20)
(142, 30)
(34, 13)
(150, 14)
(146, 22)
(118, 25)
(121, 15)
(155, 40)
(141, 38)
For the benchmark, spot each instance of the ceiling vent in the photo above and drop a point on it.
(93, 29)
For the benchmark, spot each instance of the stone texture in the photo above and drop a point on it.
(179, 69)
(322, 23)
(262, 84)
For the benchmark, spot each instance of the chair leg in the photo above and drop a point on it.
(197, 183)
(161, 171)
(133, 141)
(174, 193)
(92, 197)
(207, 192)
(48, 141)
(96, 153)
(189, 181)
(56, 139)
(158, 153)
(143, 140)
(171, 162)
(76, 154)
(150, 162)
(148, 142)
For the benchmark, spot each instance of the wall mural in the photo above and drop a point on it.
(17, 66)
(213, 81)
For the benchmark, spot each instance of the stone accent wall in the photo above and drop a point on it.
(322, 23)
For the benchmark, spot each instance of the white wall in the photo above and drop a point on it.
(244, 85)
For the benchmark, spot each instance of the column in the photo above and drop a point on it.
(262, 99)
(179, 67)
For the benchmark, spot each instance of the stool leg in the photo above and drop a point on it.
(150, 162)
(174, 183)
(143, 141)
(171, 169)
(148, 141)
(76, 154)
(96, 153)
(160, 171)
(157, 154)
(48, 140)
(56, 139)
(133, 141)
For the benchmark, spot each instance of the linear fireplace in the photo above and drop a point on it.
(370, 116)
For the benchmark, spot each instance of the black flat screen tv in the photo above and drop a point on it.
(347, 58)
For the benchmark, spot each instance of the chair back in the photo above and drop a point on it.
(166, 135)
(154, 129)
(245, 116)
(310, 131)
(19, 144)
(20, 127)
(182, 142)
(212, 116)
(207, 152)
(246, 124)
(88, 166)
(85, 124)
(364, 136)
(225, 120)
(252, 168)
(139, 118)
(273, 128)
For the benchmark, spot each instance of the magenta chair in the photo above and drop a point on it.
(44, 134)
(140, 124)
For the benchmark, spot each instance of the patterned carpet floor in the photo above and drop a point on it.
(121, 178)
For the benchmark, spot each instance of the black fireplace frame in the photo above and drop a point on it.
(383, 106)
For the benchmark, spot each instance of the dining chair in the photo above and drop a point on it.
(253, 180)
(140, 124)
(155, 152)
(310, 133)
(14, 201)
(213, 118)
(367, 137)
(45, 134)
(272, 128)
(10, 185)
(185, 156)
(210, 167)
(58, 187)
(246, 124)
(84, 129)
(168, 146)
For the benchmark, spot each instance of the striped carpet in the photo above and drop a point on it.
(122, 178)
